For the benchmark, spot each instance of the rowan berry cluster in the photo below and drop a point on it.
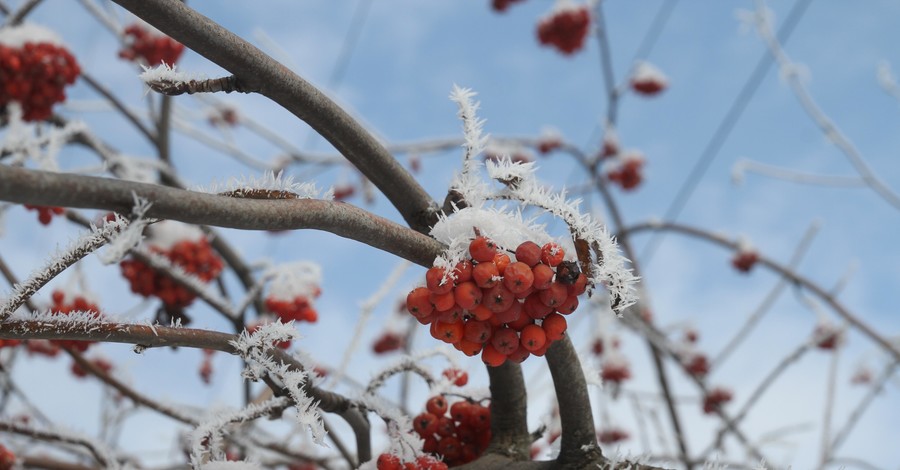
(647, 80)
(7, 458)
(457, 433)
(9, 343)
(195, 257)
(565, 29)
(716, 397)
(45, 213)
(828, 336)
(498, 307)
(150, 48)
(626, 170)
(697, 365)
(35, 75)
(65, 304)
(387, 342)
(298, 309)
(744, 260)
(424, 462)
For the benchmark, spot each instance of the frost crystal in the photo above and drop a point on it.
(126, 235)
(165, 74)
(270, 183)
(254, 348)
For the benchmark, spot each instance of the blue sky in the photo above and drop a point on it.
(408, 57)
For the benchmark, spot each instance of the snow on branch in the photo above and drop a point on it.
(270, 185)
(168, 81)
(206, 438)
(256, 350)
(130, 235)
(404, 443)
(57, 263)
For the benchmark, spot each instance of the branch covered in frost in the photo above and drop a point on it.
(468, 182)
(258, 71)
(103, 455)
(166, 80)
(58, 263)
(609, 266)
(206, 438)
(53, 189)
(782, 270)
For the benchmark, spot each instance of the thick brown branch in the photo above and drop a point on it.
(509, 420)
(258, 71)
(579, 438)
(25, 186)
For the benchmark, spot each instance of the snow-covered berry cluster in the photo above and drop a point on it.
(648, 80)
(457, 433)
(502, 308)
(45, 213)
(565, 28)
(149, 48)
(186, 248)
(625, 169)
(716, 398)
(64, 303)
(745, 257)
(293, 289)
(34, 70)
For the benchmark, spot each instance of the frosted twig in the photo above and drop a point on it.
(167, 80)
(58, 263)
(828, 127)
(831, 390)
(206, 439)
(366, 308)
(103, 455)
(744, 165)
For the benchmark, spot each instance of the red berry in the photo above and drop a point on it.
(501, 260)
(533, 337)
(518, 277)
(477, 331)
(498, 298)
(459, 377)
(492, 357)
(554, 326)
(467, 295)
(529, 253)
(418, 302)
(482, 249)
(438, 281)
(552, 254)
(486, 275)
(555, 295)
(543, 276)
(506, 341)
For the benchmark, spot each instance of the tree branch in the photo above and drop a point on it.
(509, 418)
(260, 72)
(36, 187)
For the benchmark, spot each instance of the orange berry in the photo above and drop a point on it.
(467, 295)
(529, 253)
(486, 274)
(519, 355)
(498, 298)
(518, 277)
(534, 308)
(554, 326)
(477, 331)
(533, 337)
(469, 348)
(482, 249)
(492, 357)
(501, 260)
(543, 276)
(418, 302)
(449, 332)
(437, 280)
(554, 296)
(552, 254)
(505, 340)
(463, 271)
(568, 306)
(523, 321)
(513, 313)
(481, 312)
(442, 302)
